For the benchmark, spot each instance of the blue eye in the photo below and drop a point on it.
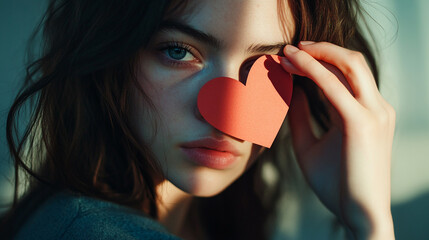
(177, 53)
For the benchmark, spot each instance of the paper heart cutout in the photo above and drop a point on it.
(253, 112)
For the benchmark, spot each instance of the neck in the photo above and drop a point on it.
(173, 207)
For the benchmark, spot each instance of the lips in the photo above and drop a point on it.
(211, 153)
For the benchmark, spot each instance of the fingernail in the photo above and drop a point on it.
(306, 42)
(291, 49)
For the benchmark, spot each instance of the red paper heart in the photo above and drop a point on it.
(253, 112)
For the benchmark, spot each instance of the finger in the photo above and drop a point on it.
(299, 121)
(334, 90)
(338, 74)
(289, 67)
(352, 64)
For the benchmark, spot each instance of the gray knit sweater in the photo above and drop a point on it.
(68, 216)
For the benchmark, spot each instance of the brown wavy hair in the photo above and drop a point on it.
(79, 135)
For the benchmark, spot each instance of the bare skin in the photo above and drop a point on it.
(355, 183)
(355, 154)
(172, 82)
(348, 168)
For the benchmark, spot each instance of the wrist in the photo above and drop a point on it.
(373, 229)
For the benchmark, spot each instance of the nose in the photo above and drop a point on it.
(237, 70)
(229, 69)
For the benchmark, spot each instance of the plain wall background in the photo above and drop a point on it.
(18, 18)
(403, 37)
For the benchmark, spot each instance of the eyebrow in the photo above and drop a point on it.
(190, 31)
(215, 42)
(260, 48)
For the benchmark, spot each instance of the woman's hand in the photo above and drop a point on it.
(349, 166)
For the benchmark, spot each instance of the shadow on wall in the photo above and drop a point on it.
(411, 218)
(302, 217)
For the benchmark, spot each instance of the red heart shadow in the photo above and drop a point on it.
(253, 112)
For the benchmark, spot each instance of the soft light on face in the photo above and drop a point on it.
(216, 38)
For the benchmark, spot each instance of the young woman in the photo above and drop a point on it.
(115, 115)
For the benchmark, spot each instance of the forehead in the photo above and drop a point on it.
(240, 22)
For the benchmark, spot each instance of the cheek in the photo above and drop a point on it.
(165, 88)
(155, 82)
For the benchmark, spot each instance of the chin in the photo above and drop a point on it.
(204, 183)
(207, 191)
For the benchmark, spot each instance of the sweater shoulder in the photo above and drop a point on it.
(69, 216)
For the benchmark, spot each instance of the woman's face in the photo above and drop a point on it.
(211, 39)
